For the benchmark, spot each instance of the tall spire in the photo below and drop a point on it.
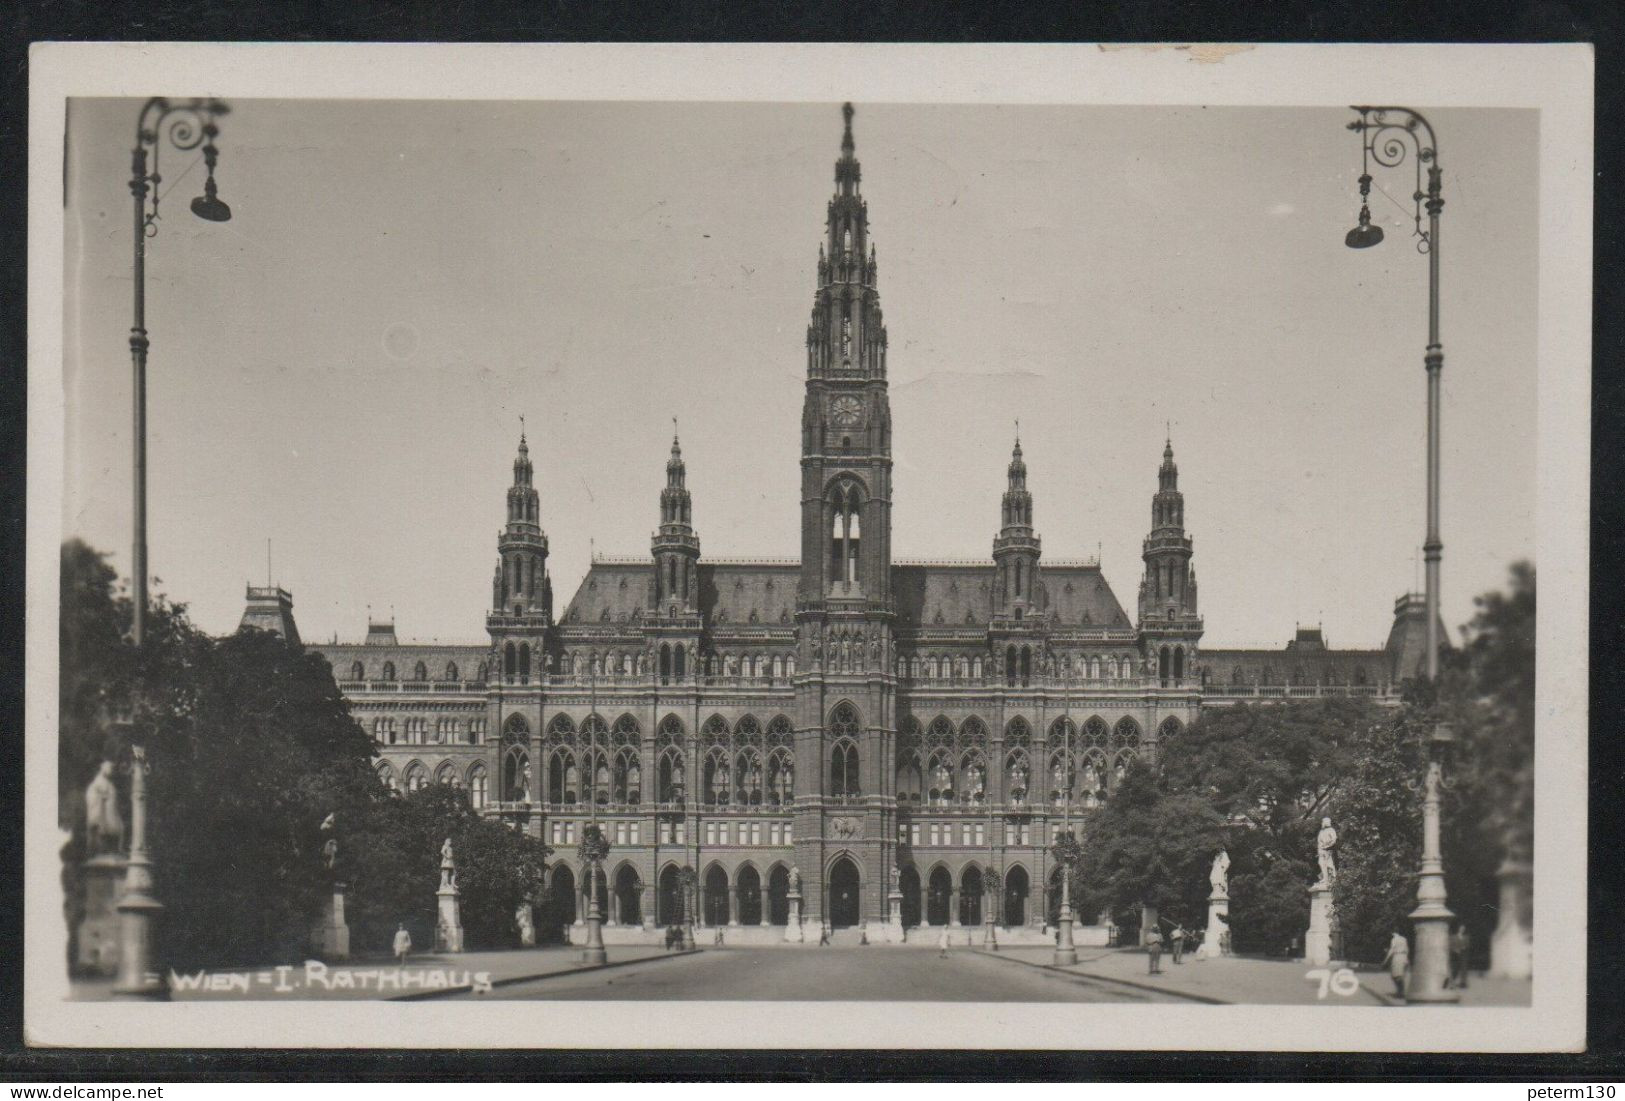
(847, 337)
(675, 546)
(1016, 549)
(519, 584)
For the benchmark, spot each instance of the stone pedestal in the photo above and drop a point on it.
(1317, 943)
(894, 933)
(792, 931)
(525, 916)
(96, 938)
(448, 936)
(1511, 951)
(1148, 921)
(332, 935)
(1215, 942)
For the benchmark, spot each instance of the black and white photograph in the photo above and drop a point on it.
(755, 549)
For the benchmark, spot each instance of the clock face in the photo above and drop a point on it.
(846, 411)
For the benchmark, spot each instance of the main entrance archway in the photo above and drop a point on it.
(560, 910)
(970, 897)
(749, 885)
(1015, 897)
(669, 898)
(909, 884)
(628, 905)
(843, 894)
(937, 899)
(716, 896)
(778, 896)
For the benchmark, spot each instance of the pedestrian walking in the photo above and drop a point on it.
(403, 943)
(1176, 940)
(942, 943)
(1398, 960)
(1460, 946)
(1153, 947)
(823, 934)
(718, 939)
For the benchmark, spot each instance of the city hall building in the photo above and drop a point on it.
(849, 718)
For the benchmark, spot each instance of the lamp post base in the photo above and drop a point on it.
(1066, 952)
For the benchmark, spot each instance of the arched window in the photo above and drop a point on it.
(1011, 669)
(910, 774)
(516, 760)
(524, 661)
(940, 761)
(1179, 664)
(389, 670)
(749, 775)
(510, 660)
(451, 670)
(845, 535)
(386, 776)
(416, 777)
(446, 774)
(845, 780)
(477, 781)
(420, 672)
(357, 672)
(1169, 729)
(1026, 666)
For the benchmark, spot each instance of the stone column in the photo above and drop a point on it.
(1218, 926)
(792, 931)
(333, 934)
(733, 904)
(764, 904)
(449, 927)
(953, 907)
(1511, 951)
(1317, 943)
(646, 906)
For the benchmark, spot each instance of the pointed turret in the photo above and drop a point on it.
(520, 585)
(1017, 548)
(676, 547)
(847, 337)
(1169, 622)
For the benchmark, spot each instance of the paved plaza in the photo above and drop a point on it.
(825, 974)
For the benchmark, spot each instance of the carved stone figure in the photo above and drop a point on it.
(330, 853)
(795, 880)
(1325, 841)
(896, 879)
(1219, 876)
(448, 865)
(104, 826)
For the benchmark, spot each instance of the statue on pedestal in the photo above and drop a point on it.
(795, 881)
(896, 880)
(1219, 876)
(448, 866)
(104, 826)
(330, 844)
(1325, 841)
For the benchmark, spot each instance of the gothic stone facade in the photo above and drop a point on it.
(848, 715)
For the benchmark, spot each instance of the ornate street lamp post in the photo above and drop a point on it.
(138, 910)
(183, 126)
(1388, 135)
(594, 844)
(1066, 952)
(1430, 976)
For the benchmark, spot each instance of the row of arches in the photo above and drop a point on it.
(415, 775)
(1299, 676)
(675, 661)
(746, 764)
(747, 895)
(420, 672)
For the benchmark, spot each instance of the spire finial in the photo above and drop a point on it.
(846, 138)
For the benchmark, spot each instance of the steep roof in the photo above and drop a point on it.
(731, 591)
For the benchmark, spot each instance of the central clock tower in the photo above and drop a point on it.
(846, 809)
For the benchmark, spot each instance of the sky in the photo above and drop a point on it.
(341, 368)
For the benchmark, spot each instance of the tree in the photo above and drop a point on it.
(250, 746)
(1269, 774)
(1150, 846)
(394, 871)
